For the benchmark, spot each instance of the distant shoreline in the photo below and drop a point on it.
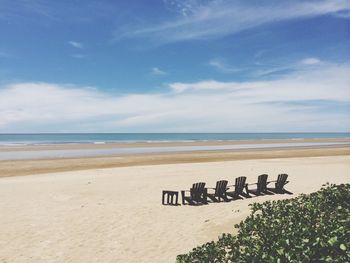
(52, 165)
(60, 151)
(125, 144)
(43, 139)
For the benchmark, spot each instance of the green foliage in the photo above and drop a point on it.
(308, 228)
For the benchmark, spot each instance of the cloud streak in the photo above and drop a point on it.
(311, 61)
(218, 18)
(322, 84)
(158, 72)
(222, 66)
(75, 44)
(291, 103)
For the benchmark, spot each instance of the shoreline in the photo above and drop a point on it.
(23, 167)
(77, 146)
(69, 151)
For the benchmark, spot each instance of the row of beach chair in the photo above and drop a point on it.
(199, 194)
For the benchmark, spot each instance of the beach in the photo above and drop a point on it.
(108, 208)
(109, 108)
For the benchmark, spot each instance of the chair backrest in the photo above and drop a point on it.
(262, 183)
(240, 184)
(197, 190)
(199, 186)
(281, 181)
(221, 187)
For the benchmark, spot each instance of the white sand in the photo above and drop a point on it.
(115, 214)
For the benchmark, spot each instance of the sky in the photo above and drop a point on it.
(174, 66)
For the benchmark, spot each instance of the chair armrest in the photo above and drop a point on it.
(246, 189)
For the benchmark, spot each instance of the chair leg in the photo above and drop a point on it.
(246, 190)
(163, 195)
(205, 194)
(183, 197)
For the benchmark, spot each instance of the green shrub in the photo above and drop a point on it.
(308, 228)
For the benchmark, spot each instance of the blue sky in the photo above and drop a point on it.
(174, 66)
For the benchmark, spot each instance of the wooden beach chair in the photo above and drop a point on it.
(219, 191)
(170, 197)
(239, 185)
(261, 186)
(198, 194)
(279, 185)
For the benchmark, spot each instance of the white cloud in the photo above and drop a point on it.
(222, 66)
(183, 7)
(324, 83)
(261, 70)
(209, 19)
(209, 85)
(311, 61)
(75, 44)
(295, 67)
(158, 71)
(207, 106)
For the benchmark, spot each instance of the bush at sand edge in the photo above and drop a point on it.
(308, 228)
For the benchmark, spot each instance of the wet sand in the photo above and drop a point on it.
(48, 165)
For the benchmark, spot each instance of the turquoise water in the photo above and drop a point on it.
(66, 138)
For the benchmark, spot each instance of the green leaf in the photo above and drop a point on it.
(342, 247)
(332, 241)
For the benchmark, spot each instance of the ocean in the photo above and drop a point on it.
(102, 138)
(130, 138)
